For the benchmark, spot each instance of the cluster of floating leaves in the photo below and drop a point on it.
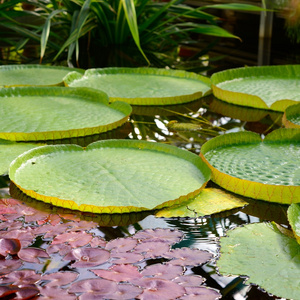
(51, 256)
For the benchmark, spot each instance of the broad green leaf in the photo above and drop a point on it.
(113, 176)
(268, 170)
(294, 219)
(33, 75)
(50, 113)
(209, 201)
(9, 151)
(267, 87)
(268, 257)
(143, 86)
(291, 116)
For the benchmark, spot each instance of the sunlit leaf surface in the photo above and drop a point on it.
(267, 87)
(143, 86)
(291, 117)
(53, 113)
(268, 170)
(294, 219)
(17, 75)
(110, 176)
(255, 247)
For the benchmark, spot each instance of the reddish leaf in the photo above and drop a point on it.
(119, 273)
(32, 254)
(157, 289)
(53, 293)
(14, 224)
(126, 258)
(62, 249)
(121, 244)
(83, 225)
(169, 236)
(21, 277)
(25, 236)
(56, 230)
(7, 290)
(9, 265)
(75, 239)
(26, 292)
(152, 249)
(163, 271)
(60, 278)
(9, 246)
(201, 293)
(189, 280)
(97, 286)
(97, 242)
(188, 257)
(88, 257)
(125, 291)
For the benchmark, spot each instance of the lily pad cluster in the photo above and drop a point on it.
(143, 265)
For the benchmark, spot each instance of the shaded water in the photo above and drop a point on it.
(152, 123)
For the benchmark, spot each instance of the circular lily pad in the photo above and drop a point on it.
(113, 176)
(33, 75)
(267, 87)
(291, 116)
(244, 164)
(143, 86)
(50, 113)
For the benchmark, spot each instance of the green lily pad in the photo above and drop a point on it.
(50, 113)
(294, 219)
(291, 116)
(33, 75)
(10, 150)
(209, 201)
(268, 257)
(143, 86)
(267, 170)
(113, 176)
(267, 87)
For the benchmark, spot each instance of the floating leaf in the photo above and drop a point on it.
(163, 271)
(209, 201)
(75, 239)
(101, 287)
(201, 293)
(17, 75)
(143, 86)
(27, 292)
(9, 246)
(50, 113)
(188, 257)
(9, 151)
(126, 258)
(6, 291)
(32, 254)
(119, 273)
(166, 235)
(291, 116)
(51, 292)
(121, 244)
(125, 291)
(267, 87)
(59, 278)
(152, 249)
(110, 176)
(294, 219)
(9, 265)
(21, 277)
(255, 247)
(189, 280)
(87, 257)
(244, 164)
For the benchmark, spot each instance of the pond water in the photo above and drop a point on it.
(152, 123)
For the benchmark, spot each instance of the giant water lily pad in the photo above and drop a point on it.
(244, 164)
(268, 257)
(113, 176)
(33, 75)
(267, 87)
(291, 117)
(49, 113)
(143, 86)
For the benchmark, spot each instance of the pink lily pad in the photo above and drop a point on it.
(119, 273)
(97, 286)
(121, 244)
(126, 258)
(157, 289)
(5, 291)
(189, 280)
(75, 239)
(9, 246)
(201, 293)
(97, 242)
(152, 249)
(188, 257)
(51, 292)
(26, 292)
(169, 236)
(25, 236)
(11, 224)
(88, 257)
(163, 271)
(9, 265)
(21, 277)
(125, 291)
(62, 249)
(32, 254)
(56, 230)
(60, 278)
